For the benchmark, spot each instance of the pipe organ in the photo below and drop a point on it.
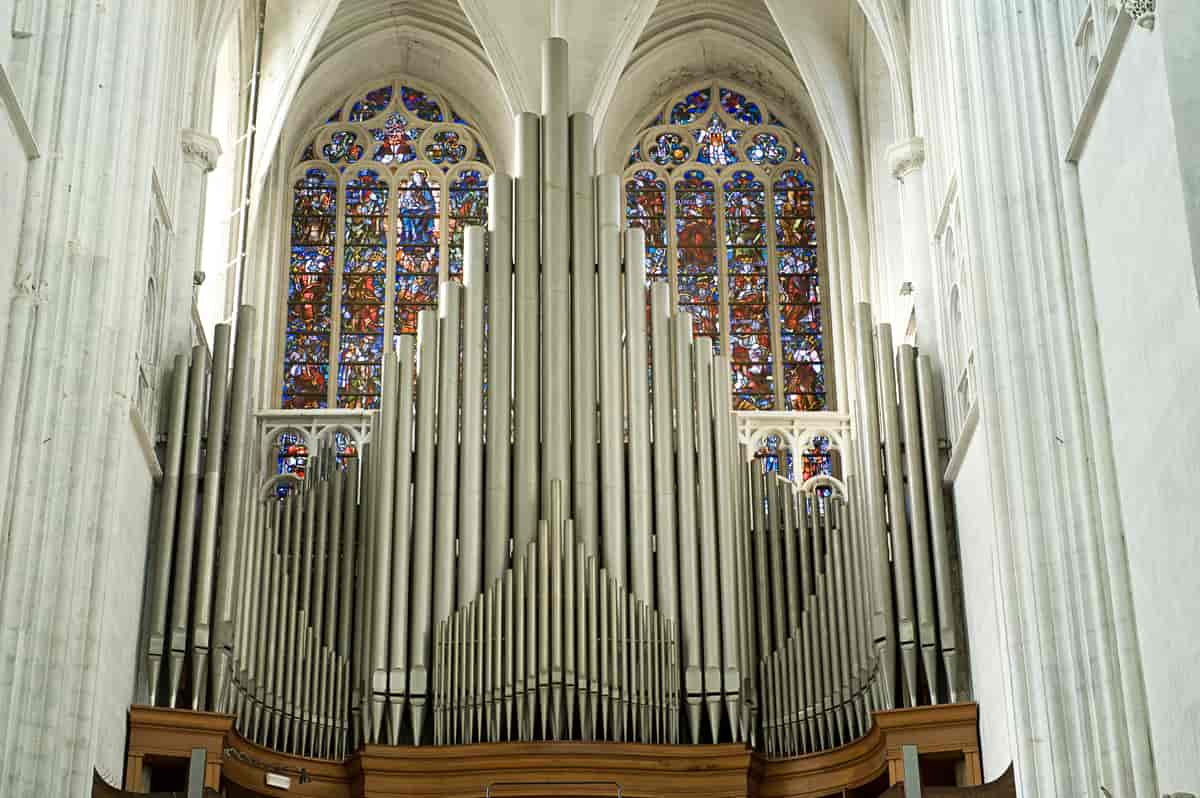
(550, 528)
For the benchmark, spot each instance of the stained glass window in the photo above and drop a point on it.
(383, 189)
(736, 188)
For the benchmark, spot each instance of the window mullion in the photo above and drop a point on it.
(672, 245)
(774, 309)
(724, 323)
(335, 303)
(392, 231)
(443, 231)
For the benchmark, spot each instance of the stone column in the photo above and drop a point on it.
(200, 154)
(906, 163)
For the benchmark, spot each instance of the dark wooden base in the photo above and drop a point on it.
(946, 734)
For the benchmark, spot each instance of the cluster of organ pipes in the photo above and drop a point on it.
(562, 540)
(522, 651)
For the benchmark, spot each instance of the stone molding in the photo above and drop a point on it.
(905, 157)
(1141, 11)
(201, 149)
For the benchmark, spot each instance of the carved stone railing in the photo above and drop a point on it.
(796, 431)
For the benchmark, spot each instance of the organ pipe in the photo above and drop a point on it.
(564, 540)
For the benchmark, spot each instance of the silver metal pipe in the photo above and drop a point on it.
(349, 548)
(446, 530)
(612, 414)
(842, 608)
(510, 646)
(275, 638)
(423, 506)
(689, 565)
(214, 451)
(759, 533)
(234, 506)
(625, 654)
(533, 597)
(584, 315)
(595, 651)
(855, 591)
(333, 585)
(440, 680)
(746, 562)
(637, 392)
(470, 509)
(280, 513)
(190, 486)
(902, 565)
(554, 597)
(384, 467)
(247, 607)
(543, 624)
(947, 609)
(883, 620)
(706, 516)
(499, 376)
(207, 549)
(402, 530)
(292, 611)
(725, 465)
(616, 639)
(791, 565)
(556, 286)
(604, 661)
(314, 587)
(922, 556)
(664, 450)
(164, 546)
(582, 599)
(365, 571)
(520, 635)
(775, 489)
(526, 398)
(500, 637)
(567, 557)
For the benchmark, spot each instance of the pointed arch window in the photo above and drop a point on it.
(726, 194)
(382, 191)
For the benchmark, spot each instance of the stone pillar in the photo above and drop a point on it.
(74, 503)
(906, 163)
(200, 154)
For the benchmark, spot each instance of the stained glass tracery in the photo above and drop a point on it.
(734, 185)
(383, 178)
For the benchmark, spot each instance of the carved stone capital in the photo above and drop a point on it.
(200, 149)
(1141, 11)
(906, 157)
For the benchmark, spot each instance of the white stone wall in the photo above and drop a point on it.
(105, 90)
(984, 621)
(1149, 327)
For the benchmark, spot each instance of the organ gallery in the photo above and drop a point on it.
(576, 399)
(552, 528)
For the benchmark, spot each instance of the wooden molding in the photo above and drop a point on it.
(558, 768)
